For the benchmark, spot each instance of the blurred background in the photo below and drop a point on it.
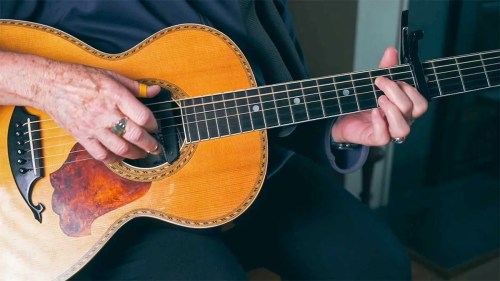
(439, 191)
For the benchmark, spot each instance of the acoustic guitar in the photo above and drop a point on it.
(59, 207)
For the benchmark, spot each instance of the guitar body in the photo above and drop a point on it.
(86, 202)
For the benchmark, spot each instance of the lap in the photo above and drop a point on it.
(303, 225)
(147, 249)
(308, 227)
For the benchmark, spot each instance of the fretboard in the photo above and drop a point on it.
(231, 113)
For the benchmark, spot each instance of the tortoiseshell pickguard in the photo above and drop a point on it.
(85, 189)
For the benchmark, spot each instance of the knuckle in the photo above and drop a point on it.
(135, 134)
(122, 149)
(102, 156)
(406, 107)
(142, 117)
(422, 108)
(405, 130)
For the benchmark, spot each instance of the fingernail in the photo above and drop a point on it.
(158, 148)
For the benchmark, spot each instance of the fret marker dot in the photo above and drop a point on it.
(255, 108)
(345, 92)
(296, 100)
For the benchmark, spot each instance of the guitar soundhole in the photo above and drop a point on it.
(170, 131)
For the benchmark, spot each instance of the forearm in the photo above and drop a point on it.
(23, 78)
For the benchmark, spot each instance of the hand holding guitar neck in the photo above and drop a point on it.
(400, 105)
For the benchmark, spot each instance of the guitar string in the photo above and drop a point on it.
(192, 142)
(86, 159)
(209, 119)
(93, 159)
(303, 95)
(481, 72)
(404, 66)
(483, 66)
(208, 126)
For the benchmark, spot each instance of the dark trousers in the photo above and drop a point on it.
(302, 226)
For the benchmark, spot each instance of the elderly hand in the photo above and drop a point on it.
(85, 101)
(400, 105)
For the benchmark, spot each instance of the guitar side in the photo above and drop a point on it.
(215, 184)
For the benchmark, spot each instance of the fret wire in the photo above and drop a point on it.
(446, 65)
(184, 121)
(237, 113)
(437, 79)
(355, 93)
(460, 92)
(305, 101)
(372, 82)
(433, 68)
(204, 113)
(430, 68)
(367, 92)
(460, 74)
(227, 115)
(285, 84)
(467, 68)
(275, 106)
(320, 92)
(194, 120)
(263, 108)
(453, 77)
(399, 66)
(249, 110)
(320, 98)
(289, 103)
(337, 94)
(343, 114)
(215, 114)
(484, 69)
(328, 116)
(240, 114)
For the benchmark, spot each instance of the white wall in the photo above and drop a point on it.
(377, 27)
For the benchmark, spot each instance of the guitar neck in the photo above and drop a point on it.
(277, 105)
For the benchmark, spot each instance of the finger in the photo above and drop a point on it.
(396, 95)
(398, 125)
(120, 146)
(380, 132)
(140, 138)
(420, 104)
(140, 90)
(389, 58)
(138, 113)
(98, 151)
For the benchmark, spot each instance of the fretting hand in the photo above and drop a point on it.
(400, 105)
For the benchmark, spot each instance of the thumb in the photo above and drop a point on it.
(140, 90)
